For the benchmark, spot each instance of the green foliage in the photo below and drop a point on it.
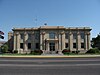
(93, 51)
(96, 42)
(4, 48)
(15, 51)
(36, 52)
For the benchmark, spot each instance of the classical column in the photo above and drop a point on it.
(33, 44)
(88, 41)
(17, 41)
(59, 41)
(14, 42)
(25, 42)
(47, 46)
(62, 40)
(41, 41)
(56, 45)
(60, 44)
(85, 41)
(78, 41)
(70, 41)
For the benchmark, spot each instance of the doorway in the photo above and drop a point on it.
(52, 46)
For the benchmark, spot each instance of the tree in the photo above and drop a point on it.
(96, 42)
(4, 48)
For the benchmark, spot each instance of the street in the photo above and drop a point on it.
(50, 66)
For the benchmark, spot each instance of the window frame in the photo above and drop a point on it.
(51, 35)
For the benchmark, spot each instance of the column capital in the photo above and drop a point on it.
(70, 33)
(17, 33)
(42, 33)
(25, 33)
(88, 33)
(78, 33)
(62, 32)
(32, 33)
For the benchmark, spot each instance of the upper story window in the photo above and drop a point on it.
(66, 35)
(29, 36)
(52, 35)
(82, 35)
(74, 35)
(22, 36)
(37, 36)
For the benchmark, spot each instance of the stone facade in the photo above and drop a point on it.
(50, 39)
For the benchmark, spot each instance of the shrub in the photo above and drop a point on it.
(15, 51)
(77, 51)
(66, 51)
(93, 51)
(36, 52)
(4, 48)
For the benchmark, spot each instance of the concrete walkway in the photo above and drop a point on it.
(50, 56)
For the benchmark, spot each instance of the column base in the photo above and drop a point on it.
(60, 52)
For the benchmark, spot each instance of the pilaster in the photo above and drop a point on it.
(78, 41)
(17, 41)
(59, 41)
(25, 42)
(88, 39)
(70, 41)
(85, 41)
(41, 41)
(63, 40)
(33, 42)
(14, 41)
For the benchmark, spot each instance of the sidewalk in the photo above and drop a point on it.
(49, 56)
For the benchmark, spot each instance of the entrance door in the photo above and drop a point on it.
(52, 46)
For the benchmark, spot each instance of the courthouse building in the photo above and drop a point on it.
(50, 39)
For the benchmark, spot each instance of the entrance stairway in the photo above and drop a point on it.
(50, 53)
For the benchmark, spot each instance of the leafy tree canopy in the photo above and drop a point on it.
(96, 41)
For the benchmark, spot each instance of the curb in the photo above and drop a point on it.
(48, 56)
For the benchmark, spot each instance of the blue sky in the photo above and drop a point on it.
(68, 13)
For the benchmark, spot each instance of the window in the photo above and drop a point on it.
(82, 45)
(37, 45)
(66, 45)
(74, 35)
(82, 35)
(21, 45)
(52, 35)
(22, 36)
(66, 35)
(74, 45)
(29, 45)
(52, 46)
(29, 36)
(37, 36)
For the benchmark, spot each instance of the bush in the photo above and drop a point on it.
(93, 51)
(66, 51)
(4, 48)
(36, 52)
(15, 51)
